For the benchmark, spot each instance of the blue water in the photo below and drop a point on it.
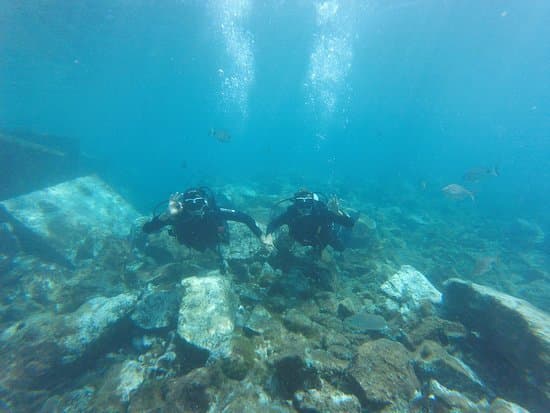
(411, 90)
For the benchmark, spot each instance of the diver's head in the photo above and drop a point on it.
(305, 201)
(195, 202)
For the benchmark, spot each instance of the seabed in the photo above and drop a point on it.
(427, 310)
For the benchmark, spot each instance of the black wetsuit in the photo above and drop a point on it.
(318, 229)
(202, 232)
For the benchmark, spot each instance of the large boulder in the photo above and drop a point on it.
(509, 328)
(207, 314)
(407, 290)
(69, 221)
(382, 376)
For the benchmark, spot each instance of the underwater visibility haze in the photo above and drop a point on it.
(422, 130)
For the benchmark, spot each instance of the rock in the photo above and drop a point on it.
(293, 373)
(46, 350)
(156, 309)
(55, 221)
(503, 406)
(433, 362)
(407, 290)
(453, 401)
(326, 400)
(382, 376)
(298, 322)
(249, 398)
(168, 274)
(511, 330)
(207, 314)
(348, 307)
(437, 329)
(241, 360)
(190, 393)
(93, 322)
(259, 320)
(327, 302)
(337, 345)
(327, 366)
(75, 401)
(132, 375)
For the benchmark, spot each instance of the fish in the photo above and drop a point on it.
(221, 135)
(477, 174)
(485, 264)
(456, 191)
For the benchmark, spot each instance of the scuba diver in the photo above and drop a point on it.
(311, 222)
(197, 222)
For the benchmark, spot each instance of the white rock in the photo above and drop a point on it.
(407, 290)
(132, 375)
(207, 314)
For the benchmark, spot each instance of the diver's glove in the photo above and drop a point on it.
(151, 226)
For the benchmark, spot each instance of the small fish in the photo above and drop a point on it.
(221, 135)
(485, 264)
(456, 191)
(477, 174)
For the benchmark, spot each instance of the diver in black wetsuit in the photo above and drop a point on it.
(197, 222)
(310, 222)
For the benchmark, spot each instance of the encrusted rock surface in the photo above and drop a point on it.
(47, 347)
(132, 375)
(207, 314)
(326, 400)
(156, 309)
(93, 321)
(450, 400)
(433, 362)
(383, 377)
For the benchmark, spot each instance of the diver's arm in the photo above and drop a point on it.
(157, 223)
(232, 215)
(277, 222)
(342, 218)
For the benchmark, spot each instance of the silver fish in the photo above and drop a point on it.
(221, 135)
(477, 174)
(456, 191)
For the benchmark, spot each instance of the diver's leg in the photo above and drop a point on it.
(335, 239)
